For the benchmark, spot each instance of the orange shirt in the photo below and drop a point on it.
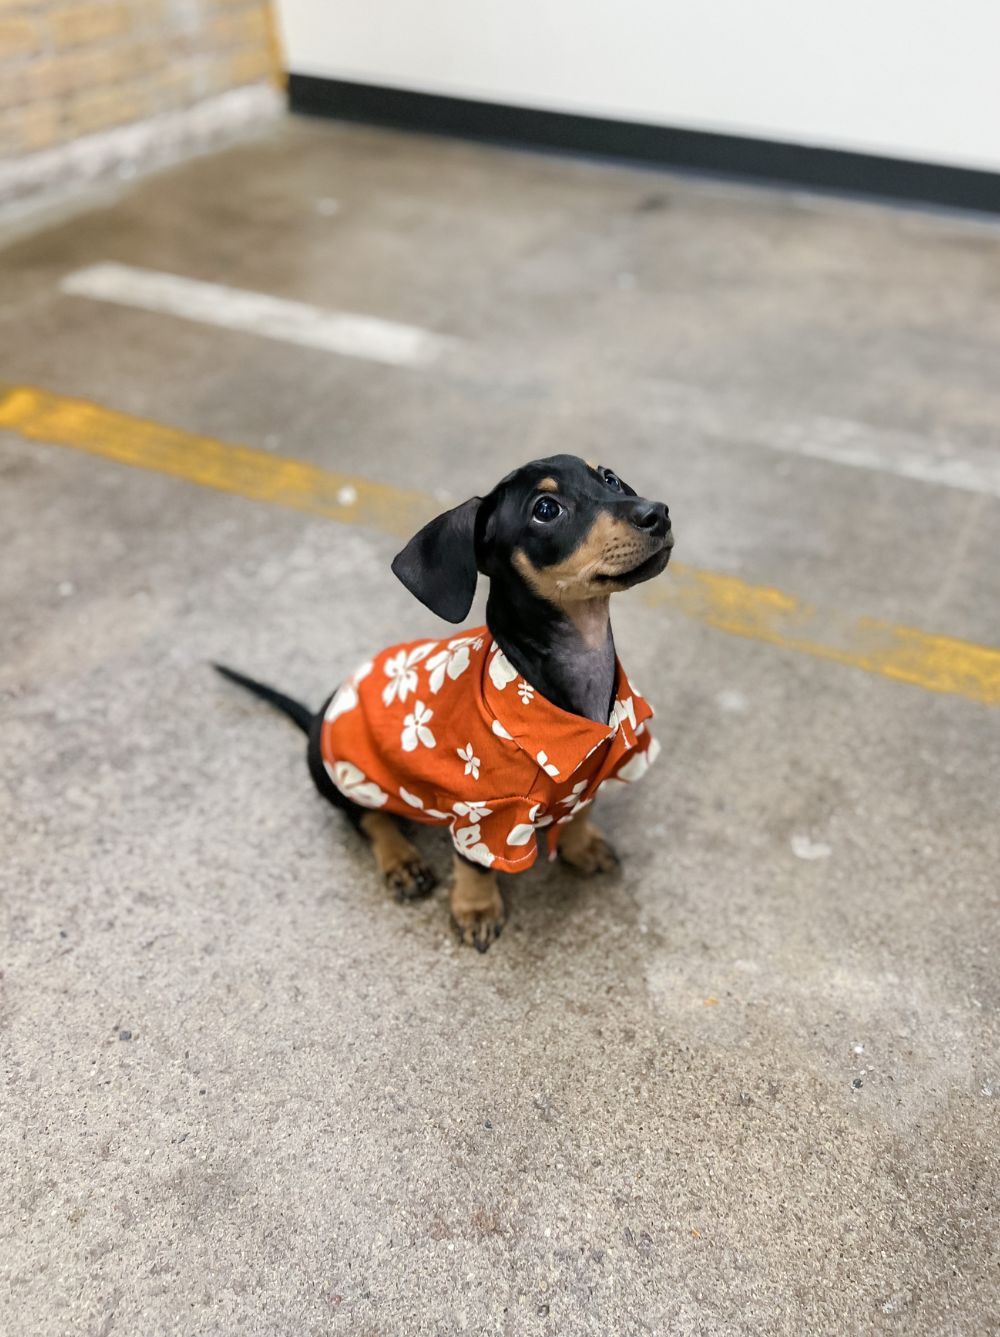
(448, 732)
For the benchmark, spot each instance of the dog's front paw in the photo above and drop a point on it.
(410, 879)
(584, 848)
(477, 909)
(406, 875)
(479, 928)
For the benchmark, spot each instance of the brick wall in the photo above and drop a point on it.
(70, 68)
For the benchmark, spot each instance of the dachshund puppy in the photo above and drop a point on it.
(504, 733)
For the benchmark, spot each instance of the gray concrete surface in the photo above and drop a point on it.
(730, 1091)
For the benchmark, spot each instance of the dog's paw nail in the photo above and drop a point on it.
(479, 929)
(410, 881)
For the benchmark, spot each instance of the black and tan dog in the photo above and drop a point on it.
(506, 732)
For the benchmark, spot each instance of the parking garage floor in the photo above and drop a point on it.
(748, 1085)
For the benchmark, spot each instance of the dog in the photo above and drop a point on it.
(506, 732)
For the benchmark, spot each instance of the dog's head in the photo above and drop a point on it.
(571, 531)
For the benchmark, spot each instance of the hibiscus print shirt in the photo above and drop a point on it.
(448, 732)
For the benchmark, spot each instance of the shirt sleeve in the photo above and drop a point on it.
(502, 834)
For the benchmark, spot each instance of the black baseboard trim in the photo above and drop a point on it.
(767, 160)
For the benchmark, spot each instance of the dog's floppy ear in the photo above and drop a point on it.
(438, 565)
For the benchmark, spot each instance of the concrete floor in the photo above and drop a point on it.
(730, 1091)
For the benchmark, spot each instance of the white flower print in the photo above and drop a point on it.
(574, 801)
(415, 728)
(343, 700)
(471, 760)
(474, 811)
(546, 765)
(401, 670)
(520, 834)
(639, 763)
(544, 820)
(416, 802)
(502, 671)
(356, 786)
(468, 843)
(346, 696)
(622, 710)
(525, 691)
(452, 661)
(501, 732)
(523, 831)
(571, 799)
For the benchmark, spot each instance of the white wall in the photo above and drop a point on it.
(908, 78)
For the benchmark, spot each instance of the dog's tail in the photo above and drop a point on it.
(295, 710)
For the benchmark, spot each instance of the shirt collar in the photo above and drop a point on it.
(557, 739)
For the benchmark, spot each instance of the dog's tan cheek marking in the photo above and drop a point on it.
(606, 535)
(587, 610)
(606, 539)
(531, 573)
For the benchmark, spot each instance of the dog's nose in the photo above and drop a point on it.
(652, 517)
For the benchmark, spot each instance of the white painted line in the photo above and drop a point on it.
(859, 445)
(687, 408)
(257, 313)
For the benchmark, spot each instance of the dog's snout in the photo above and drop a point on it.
(652, 517)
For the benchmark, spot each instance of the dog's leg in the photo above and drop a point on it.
(398, 861)
(584, 848)
(476, 904)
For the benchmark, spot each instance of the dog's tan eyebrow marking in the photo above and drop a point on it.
(548, 485)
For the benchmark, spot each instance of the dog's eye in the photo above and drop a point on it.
(545, 509)
(612, 480)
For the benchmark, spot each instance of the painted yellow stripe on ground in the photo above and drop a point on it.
(757, 612)
(762, 613)
(256, 474)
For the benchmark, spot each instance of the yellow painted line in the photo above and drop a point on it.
(761, 613)
(247, 472)
(756, 612)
